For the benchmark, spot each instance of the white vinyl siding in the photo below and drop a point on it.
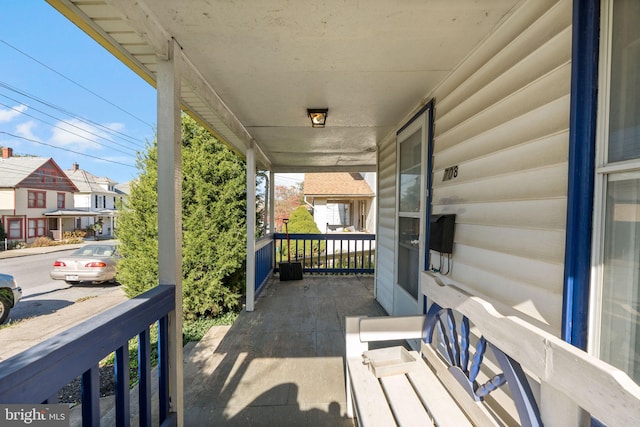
(385, 235)
(502, 117)
(505, 123)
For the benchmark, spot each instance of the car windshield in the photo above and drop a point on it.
(95, 250)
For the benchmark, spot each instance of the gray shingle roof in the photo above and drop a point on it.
(14, 170)
(87, 182)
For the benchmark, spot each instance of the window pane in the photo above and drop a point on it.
(624, 113)
(620, 331)
(410, 168)
(409, 254)
(14, 229)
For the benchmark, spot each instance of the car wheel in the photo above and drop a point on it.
(5, 306)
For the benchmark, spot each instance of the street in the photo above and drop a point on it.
(48, 307)
(42, 295)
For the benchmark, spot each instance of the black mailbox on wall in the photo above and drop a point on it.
(441, 233)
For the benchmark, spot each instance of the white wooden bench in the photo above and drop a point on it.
(529, 377)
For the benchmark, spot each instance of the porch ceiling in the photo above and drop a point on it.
(254, 67)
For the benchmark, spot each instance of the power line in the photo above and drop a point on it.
(75, 83)
(66, 149)
(137, 142)
(68, 131)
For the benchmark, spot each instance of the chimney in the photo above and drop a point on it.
(7, 152)
(75, 167)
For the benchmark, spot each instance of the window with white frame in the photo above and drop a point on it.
(615, 326)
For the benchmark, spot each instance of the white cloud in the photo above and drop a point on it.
(11, 113)
(81, 136)
(25, 130)
(118, 127)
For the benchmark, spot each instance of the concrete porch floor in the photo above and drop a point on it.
(281, 364)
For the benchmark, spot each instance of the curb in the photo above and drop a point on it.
(15, 253)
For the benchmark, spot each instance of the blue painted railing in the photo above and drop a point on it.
(335, 253)
(36, 375)
(264, 260)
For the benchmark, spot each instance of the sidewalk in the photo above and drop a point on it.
(14, 253)
(21, 336)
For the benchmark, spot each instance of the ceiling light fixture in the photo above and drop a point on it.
(318, 116)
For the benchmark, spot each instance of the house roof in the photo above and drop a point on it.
(124, 188)
(87, 182)
(70, 212)
(21, 172)
(15, 170)
(336, 184)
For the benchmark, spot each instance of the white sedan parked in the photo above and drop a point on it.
(91, 263)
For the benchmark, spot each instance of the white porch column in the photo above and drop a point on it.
(251, 227)
(272, 202)
(170, 212)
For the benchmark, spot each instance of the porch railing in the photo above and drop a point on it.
(335, 253)
(35, 376)
(264, 260)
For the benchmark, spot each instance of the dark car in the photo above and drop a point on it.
(10, 294)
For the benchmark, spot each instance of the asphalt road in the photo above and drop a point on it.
(48, 307)
(40, 294)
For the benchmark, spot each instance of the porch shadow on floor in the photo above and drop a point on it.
(281, 364)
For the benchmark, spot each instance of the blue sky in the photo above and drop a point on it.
(49, 113)
(64, 96)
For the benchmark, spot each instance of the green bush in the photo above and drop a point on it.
(213, 226)
(301, 222)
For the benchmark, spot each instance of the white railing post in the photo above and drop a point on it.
(170, 212)
(272, 202)
(251, 228)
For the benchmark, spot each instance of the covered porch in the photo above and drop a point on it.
(272, 369)
(63, 220)
(467, 109)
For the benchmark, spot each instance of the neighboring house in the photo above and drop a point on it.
(98, 195)
(341, 200)
(30, 187)
(123, 189)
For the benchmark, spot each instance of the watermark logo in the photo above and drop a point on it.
(34, 415)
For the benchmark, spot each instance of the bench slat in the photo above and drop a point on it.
(372, 408)
(390, 328)
(442, 407)
(406, 406)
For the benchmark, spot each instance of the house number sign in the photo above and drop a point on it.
(450, 173)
